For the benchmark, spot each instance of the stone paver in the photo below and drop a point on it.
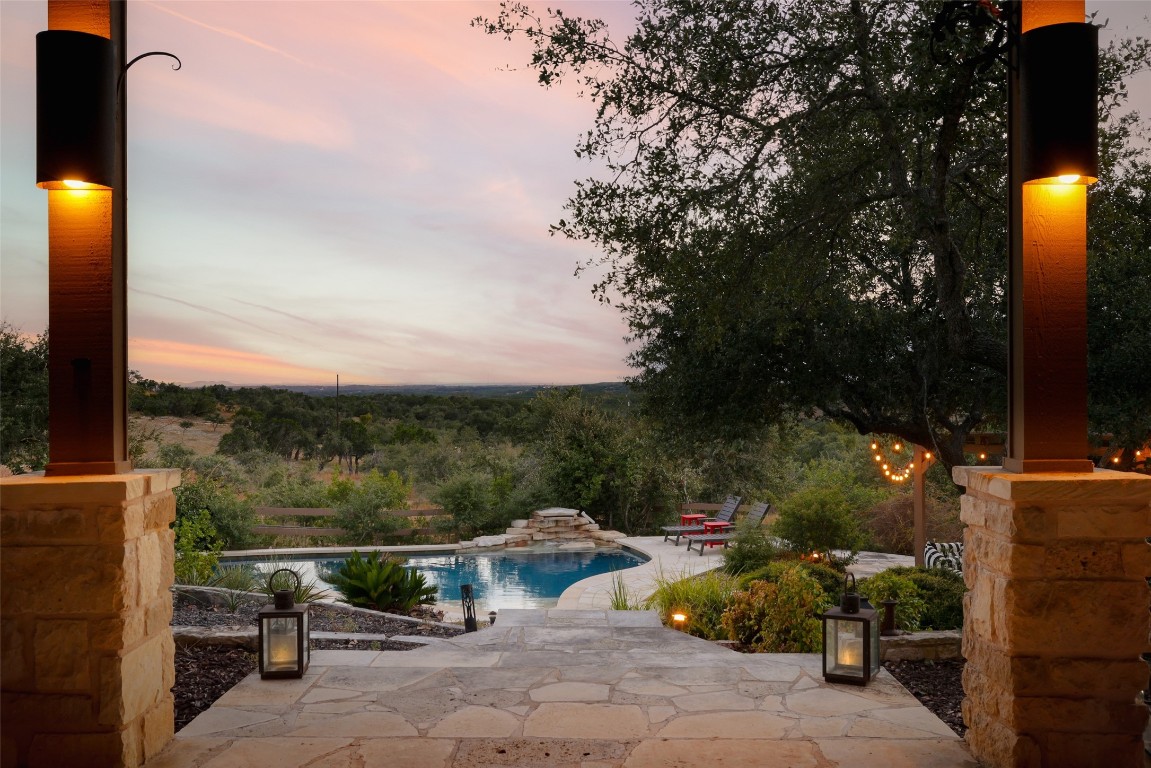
(566, 688)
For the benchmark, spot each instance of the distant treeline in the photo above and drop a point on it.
(300, 424)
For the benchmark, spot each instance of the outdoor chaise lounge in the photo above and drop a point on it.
(725, 515)
(754, 518)
(944, 554)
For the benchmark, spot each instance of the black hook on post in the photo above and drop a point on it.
(176, 66)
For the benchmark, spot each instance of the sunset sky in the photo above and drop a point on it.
(349, 188)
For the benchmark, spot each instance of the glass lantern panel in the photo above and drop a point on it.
(874, 649)
(279, 651)
(843, 650)
(307, 642)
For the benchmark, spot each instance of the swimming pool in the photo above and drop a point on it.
(511, 578)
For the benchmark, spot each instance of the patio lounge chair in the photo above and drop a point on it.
(725, 515)
(754, 518)
(944, 554)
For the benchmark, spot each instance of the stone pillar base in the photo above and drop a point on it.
(1055, 617)
(86, 671)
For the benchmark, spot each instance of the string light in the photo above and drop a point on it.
(894, 469)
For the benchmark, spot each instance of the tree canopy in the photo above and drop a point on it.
(804, 209)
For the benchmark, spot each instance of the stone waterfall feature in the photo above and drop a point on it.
(571, 528)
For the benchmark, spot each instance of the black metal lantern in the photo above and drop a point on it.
(284, 640)
(850, 640)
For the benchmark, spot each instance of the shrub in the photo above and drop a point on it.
(381, 584)
(778, 617)
(231, 516)
(701, 598)
(468, 498)
(359, 506)
(822, 518)
(197, 548)
(886, 585)
(828, 577)
(942, 593)
(751, 549)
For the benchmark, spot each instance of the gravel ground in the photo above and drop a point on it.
(204, 673)
(938, 686)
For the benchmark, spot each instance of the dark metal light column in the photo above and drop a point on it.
(80, 161)
(1052, 156)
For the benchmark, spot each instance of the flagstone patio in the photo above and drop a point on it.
(560, 688)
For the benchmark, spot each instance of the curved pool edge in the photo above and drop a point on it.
(664, 559)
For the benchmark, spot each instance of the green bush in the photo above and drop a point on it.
(701, 598)
(751, 549)
(381, 584)
(942, 592)
(822, 518)
(469, 498)
(778, 617)
(746, 615)
(830, 578)
(197, 548)
(886, 585)
(359, 506)
(231, 516)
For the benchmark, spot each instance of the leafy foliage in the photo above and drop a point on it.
(793, 222)
(23, 400)
(779, 616)
(197, 548)
(701, 598)
(942, 593)
(886, 585)
(752, 548)
(825, 514)
(231, 516)
(361, 507)
(382, 584)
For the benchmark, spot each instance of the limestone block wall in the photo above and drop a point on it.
(86, 670)
(1055, 617)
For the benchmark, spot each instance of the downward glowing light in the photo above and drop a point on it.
(74, 184)
(1069, 178)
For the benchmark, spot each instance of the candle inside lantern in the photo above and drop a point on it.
(280, 638)
(850, 653)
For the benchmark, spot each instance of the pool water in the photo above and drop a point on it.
(511, 578)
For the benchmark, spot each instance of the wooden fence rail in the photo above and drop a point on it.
(304, 530)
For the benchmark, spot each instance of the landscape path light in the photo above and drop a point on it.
(467, 596)
(284, 637)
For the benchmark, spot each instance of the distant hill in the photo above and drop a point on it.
(525, 391)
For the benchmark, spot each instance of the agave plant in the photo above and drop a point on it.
(381, 584)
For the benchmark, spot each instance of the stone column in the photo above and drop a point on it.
(1055, 616)
(86, 670)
